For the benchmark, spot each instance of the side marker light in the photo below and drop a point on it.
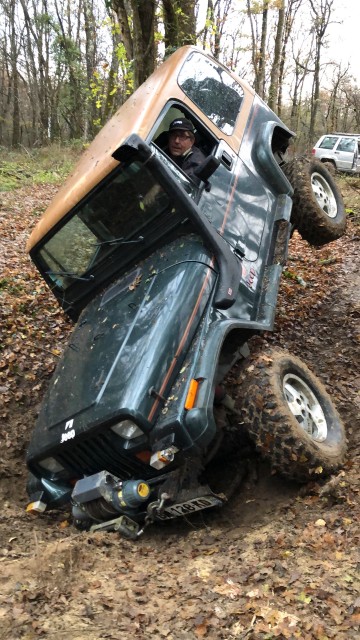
(191, 396)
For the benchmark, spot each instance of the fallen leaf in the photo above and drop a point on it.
(320, 523)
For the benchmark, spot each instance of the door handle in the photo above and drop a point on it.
(226, 159)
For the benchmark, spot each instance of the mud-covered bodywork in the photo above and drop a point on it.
(166, 280)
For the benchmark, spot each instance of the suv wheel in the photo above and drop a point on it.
(290, 416)
(318, 211)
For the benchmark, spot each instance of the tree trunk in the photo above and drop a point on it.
(222, 9)
(321, 17)
(90, 60)
(275, 69)
(123, 18)
(74, 113)
(262, 59)
(143, 39)
(258, 45)
(15, 141)
(179, 23)
(137, 26)
(38, 53)
(292, 7)
(254, 44)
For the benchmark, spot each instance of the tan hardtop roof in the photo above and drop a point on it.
(136, 115)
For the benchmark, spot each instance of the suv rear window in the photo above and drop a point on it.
(212, 89)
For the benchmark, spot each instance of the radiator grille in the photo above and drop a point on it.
(100, 452)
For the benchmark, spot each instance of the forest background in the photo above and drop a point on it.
(279, 561)
(67, 65)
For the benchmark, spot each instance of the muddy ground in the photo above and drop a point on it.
(280, 560)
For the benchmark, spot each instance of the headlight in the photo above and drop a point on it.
(127, 429)
(50, 464)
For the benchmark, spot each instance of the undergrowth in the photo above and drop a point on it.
(350, 189)
(47, 165)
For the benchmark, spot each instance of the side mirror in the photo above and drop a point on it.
(207, 168)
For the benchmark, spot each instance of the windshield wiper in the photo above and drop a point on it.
(67, 274)
(119, 241)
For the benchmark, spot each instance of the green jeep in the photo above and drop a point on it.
(167, 278)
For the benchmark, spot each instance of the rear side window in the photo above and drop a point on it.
(346, 144)
(212, 89)
(328, 142)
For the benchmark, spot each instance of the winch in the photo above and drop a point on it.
(102, 496)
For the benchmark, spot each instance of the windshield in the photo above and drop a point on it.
(113, 216)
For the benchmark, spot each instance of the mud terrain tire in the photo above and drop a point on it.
(290, 417)
(318, 211)
(330, 166)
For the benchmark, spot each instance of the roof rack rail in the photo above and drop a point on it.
(342, 133)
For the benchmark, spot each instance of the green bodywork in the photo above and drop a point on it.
(157, 307)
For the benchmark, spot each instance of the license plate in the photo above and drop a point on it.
(189, 506)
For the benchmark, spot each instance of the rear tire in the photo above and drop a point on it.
(331, 167)
(318, 211)
(290, 417)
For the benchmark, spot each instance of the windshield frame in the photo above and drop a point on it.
(156, 230)
(188, 217)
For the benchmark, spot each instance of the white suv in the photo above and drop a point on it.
(342, 150)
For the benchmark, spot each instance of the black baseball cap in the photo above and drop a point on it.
(182, 124)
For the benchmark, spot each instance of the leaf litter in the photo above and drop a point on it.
(280, 560)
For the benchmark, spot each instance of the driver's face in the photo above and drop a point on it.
(180, 142)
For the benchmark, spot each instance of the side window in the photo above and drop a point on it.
(328, 142)
(161, 135)
(346, 144)
(203, 139)
(212, 89)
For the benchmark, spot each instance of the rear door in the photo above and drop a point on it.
(357, 156)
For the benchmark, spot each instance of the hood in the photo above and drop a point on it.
(127, 348)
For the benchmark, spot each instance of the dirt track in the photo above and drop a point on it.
(279, 561)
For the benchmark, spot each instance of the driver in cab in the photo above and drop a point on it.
(181, 147)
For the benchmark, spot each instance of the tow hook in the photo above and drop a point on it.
(154, 511)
